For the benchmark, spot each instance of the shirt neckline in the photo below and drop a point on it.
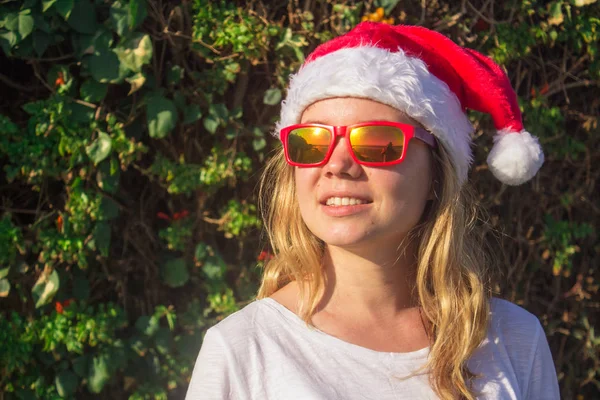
(330, 340)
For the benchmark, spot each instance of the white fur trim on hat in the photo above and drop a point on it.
(391, 78)
(516, 156)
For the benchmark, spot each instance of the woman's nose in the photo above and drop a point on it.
(341, 162)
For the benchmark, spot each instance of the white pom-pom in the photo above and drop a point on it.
(516, 156)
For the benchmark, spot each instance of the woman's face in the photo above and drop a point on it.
(395, 195)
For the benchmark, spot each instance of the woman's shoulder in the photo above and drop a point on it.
(231, 349)
(513, 329)
(247, 319)
(515, 354)
(503, 308)
(255, 322)
(511, 317)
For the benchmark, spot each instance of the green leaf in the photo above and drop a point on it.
(191, 114)
(93, 91)
(201, 251)
(179, 99)
(25, 26)
(137, 13)
(556, 14)
(46, 4)
(119, 18)
(259, 144)
(126, 18)
(231, 70)
(64, 7)
(214, 267)
(107, 180)
(4, 272)
(108, 209)
(83, 17)
(161, 115)
(147, 325)
(272, 97)
(257, 132)
(219, 111)
(66, 383)
(22, 268)
(106, 67)
(41, 24)
(135, 52)
(25, 48)
(41, 41)
(45, 288)
(175, 272)
(99, 373)
(8, 40)
(81, 365)
(163, 340)
(4, 287)
(56, 71)
(11, 21)
(100, 148)
(581, 3)
(80, 113)
(136, 81)
(231, 132)
(100, 41)
(211, 123)
(174, 74)
(102, 234)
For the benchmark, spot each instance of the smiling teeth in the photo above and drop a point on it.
(344, 201)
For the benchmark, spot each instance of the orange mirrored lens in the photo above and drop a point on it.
(308, 145)
(377, 143)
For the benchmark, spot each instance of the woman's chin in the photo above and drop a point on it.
(355, 238)
(346, 238)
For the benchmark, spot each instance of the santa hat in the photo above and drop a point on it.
(430, 78)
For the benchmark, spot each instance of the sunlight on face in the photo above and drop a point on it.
(397, 194)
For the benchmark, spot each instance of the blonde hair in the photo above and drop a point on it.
(452, 281)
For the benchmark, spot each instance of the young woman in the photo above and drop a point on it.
(379, 288)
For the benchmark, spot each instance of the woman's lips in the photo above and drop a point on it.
(343, 211)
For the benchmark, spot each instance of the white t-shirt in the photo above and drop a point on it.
(266, 352)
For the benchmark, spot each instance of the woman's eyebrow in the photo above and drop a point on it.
(313, 121)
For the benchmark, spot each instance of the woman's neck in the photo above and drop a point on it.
(376, 286)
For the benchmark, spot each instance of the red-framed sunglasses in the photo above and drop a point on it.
(375, 143)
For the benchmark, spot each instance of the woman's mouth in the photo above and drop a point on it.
(344, 201)
(344, 206)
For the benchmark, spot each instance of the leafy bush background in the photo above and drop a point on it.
(131, 137)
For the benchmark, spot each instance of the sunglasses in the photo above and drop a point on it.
(376, 143)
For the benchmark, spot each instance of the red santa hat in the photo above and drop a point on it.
(431, 79)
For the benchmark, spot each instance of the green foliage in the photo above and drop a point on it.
(115, 112)
(561, 237)
(177, 235)
(238, 218)
(175, 273)
(45, 288)
(243, 34)
(162, 116)
(272, 97)
(220, 168)
(549, 123)
(11, 240)
(513, 43)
